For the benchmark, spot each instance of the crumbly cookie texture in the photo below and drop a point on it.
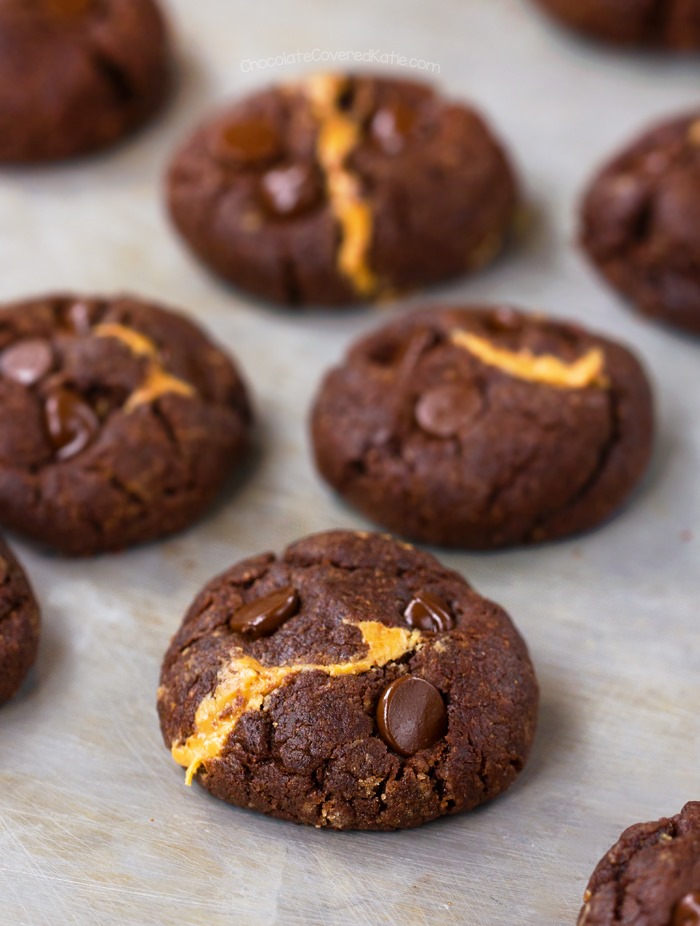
(650, 877)
(640, 223)
(108, 67)
(483, 427)
(340, 188)
(352, 682)
(119, 421)
(19, 624)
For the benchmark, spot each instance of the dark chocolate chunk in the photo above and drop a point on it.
(27, 361)
(291, 190)
(392, 126)
(411, 715)
(428, 612)
(687, 912)
(71, 423)
(262, 617)
(445, 410)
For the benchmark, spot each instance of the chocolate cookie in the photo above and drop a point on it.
(352, 683)
(119, 421)
(641, 222)
(77, 75)
(19, 625)
(650, 877)
(339, 189)
(670, 24)
(481, 428)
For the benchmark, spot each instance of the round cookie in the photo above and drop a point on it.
(670, 24)
(119, 421)
(650, 877)
(340, 189)
(483, 427)
(77, 75)
(19, 625)
(640, 222)
(351, 683)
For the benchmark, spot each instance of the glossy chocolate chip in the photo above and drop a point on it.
(248, 142)
(445, 410)
(27, 361)
(71, 423)
(262, 617)
(428, 612)
(687, 910)
(291, 190)
(79, 317)
(392, 126)
(411, 715)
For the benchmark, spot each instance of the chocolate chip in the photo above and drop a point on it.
(71, 423)
(27, 361)
(262, 617)
(79, 317)
(392, 126)
(687, 910)
(445, 410)
(247, 142)
(411, 715)
(428, 612)
(291, 190)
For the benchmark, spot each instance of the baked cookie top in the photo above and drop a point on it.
(19, 624)
(119, 421)
(341, 188)
(76, 75)
(483, 427)
(641, 222)
(352, 682)
(650, 877)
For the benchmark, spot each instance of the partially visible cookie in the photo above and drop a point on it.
(351, 683)
(650, 877)
(77, 75)
(670, 24)
(483, 427)
(641, 222)
(119, 421)
(19, 625)
(340, 189)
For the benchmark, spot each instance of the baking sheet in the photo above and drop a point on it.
(96, 825)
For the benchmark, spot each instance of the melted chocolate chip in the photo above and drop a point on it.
(411, 715)
(262, 617)
(79, 317)
(27, 362)
(248, 142)
(392, 126)
(445, 410)
(71, 423)
(291, 190)
(428, 612)
(687, 910)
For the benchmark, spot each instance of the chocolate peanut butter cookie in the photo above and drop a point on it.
(341, 189)
(77, 75)
(481, 428)
(19, 625)
(641, 222)
(669, 24)
(119, 421)
(352, 683)
(650, 877)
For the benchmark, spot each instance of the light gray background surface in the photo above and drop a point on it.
(96, 825)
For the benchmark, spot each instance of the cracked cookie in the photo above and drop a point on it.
(119, 421)
(19, 625)
(641, 223)
(670, 24)
(77, 75)
(483, 427)
(340, 189)
(650, 877)
(352, 682)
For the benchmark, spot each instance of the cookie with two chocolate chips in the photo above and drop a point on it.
(352, 682)
(19, 624)
(340, 189)
(483, 427)
(119, 421)
(650, 877)
(77, 75)
(640, 222)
